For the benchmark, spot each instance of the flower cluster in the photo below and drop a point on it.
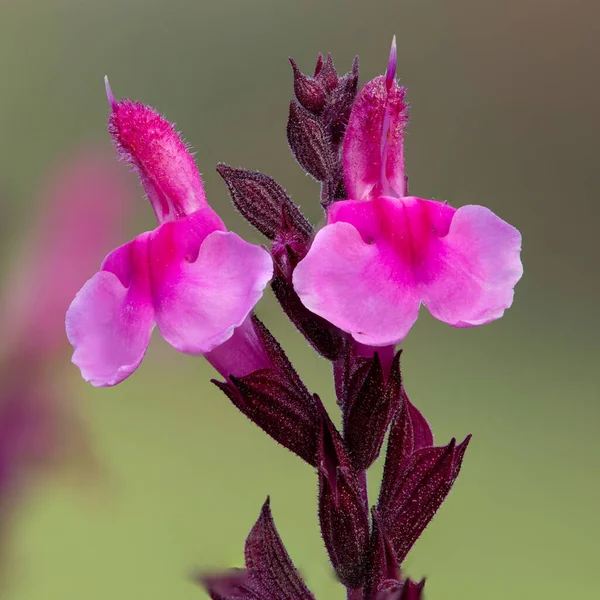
(353, 289)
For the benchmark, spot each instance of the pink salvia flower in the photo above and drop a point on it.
(80, 217)
(382, 254)
(190, 277)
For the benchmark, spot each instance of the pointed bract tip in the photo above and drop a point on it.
(109, 93)
(391, 69)
(319, 64)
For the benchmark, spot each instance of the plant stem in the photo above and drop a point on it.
(355, 594)
(361, 476)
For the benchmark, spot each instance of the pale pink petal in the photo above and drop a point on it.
(200, 301)
(371, 267)
(109, 323)
(470, 280)
(242, 354)
(357, 286)
(374, 142)
(109, 329)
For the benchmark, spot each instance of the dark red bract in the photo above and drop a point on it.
(366, 544)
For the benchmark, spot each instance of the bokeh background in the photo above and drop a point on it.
(169, 476)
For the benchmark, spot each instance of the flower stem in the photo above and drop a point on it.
(355, 594)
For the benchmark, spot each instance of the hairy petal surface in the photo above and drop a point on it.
(152, 146)
(374, 142)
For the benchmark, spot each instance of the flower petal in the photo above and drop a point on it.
(167, 170)
(109, 324)
(357, 286)
(376, 261)
(200, 303)
(471, 278)
(374, 142)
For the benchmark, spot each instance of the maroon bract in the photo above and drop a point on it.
(269, 573)
(273, 396)
(342, 509)
(373, 401)
(266, 205)
(366, 547)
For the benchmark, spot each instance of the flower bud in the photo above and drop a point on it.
(318, 65)
(373, 400)
(308, 142)
(260, 200)
(327, 75)
(269, 562)
(308, 92)
(337, 111)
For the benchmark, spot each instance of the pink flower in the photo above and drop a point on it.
(80, 211)
(79, 217)
(383, 253)
(191, 277)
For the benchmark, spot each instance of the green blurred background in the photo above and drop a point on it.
(505, 99)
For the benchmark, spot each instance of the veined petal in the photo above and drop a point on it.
(110, 321)
(368, 270)
(201, 299)
(471, 280)
(356, 286)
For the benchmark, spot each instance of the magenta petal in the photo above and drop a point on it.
(356, 286)
(202, 302)
(371, 267)
(471, 279)
(109, 326)
(167, 170)
(374, 142)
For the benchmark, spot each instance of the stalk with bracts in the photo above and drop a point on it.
(353, 289)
